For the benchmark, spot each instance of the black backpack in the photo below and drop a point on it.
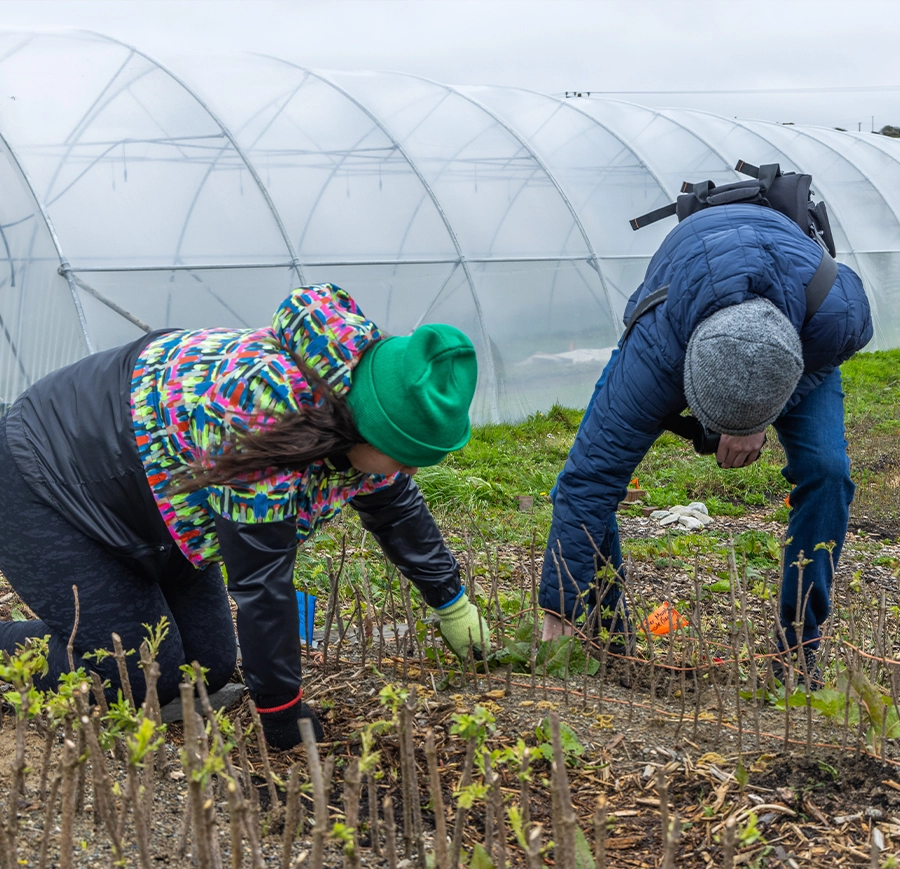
(786, 192)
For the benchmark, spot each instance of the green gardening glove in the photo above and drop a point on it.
(461, 625)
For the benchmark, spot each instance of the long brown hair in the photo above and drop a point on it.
(293, 442)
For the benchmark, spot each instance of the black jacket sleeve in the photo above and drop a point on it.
(398, 518)
(259, 559)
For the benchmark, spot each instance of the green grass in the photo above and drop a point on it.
(480, 485)
(872, 389)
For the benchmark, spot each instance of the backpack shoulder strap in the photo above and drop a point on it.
(655, 298)
(820, 285)
(652, 216)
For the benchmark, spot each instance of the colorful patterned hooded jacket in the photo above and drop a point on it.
(192, 389)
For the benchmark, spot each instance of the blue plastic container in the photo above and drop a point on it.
(306, 608)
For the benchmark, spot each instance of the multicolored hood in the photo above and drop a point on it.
(192, 391)
(325, 329)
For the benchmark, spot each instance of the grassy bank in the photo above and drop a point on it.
(484, 481)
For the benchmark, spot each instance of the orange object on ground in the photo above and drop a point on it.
(663, 619)
(787, 500)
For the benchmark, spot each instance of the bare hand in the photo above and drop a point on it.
(739, 451)
(554, 626)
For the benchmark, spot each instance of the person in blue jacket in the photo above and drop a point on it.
(729, 341)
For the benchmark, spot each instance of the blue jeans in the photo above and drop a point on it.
(812, 434)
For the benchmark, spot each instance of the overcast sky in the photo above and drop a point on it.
(839, 59)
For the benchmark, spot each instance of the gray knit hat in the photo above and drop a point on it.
(742, 365)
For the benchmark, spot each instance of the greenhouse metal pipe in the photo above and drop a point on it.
(111, 147)
(553, 180)
(196, 197)
(9, 259)
(426, 261)
(112, 305)
(489, 360)
(183, 267)
(64, 268)
(72, 145)
(81, 121)
(295, 260)
(626, 145)
(437, 295)
(872, 143)
(427, 190)
(876, 187)
(725, 162)
(767, 141)
(15, 351)
(334, 166)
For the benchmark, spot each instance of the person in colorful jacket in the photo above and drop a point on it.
(136, 472)
(730, 342)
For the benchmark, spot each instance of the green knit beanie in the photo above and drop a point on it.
(410, 395)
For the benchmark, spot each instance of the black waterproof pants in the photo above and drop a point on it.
(43, 556)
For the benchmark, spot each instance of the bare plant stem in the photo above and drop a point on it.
(534, 619)
(252, 816)
(18, 776)
(202, 849)
(600, 832)
(489, 807)
(234, 826)
(155, 766)
(104, 799)
(533, 855)
(352, 786)
(525, 789)
(290, 816)
(437, 800)
(412, 782)
(140, 821)
(122, 664)
(70, 646)
(274, 804)
(80, 774)
(99, 693)
(749, 643)
(49, 812)
(49, 742)
(566, 833)
(496, 798)
(390, 834)
(464, 782)
(374, 825)
(728, 841)
(671, 835)
(70, 759)
(320, 804)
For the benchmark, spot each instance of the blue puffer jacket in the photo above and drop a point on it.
(718, 257)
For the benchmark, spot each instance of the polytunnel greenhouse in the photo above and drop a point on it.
(139, 193)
